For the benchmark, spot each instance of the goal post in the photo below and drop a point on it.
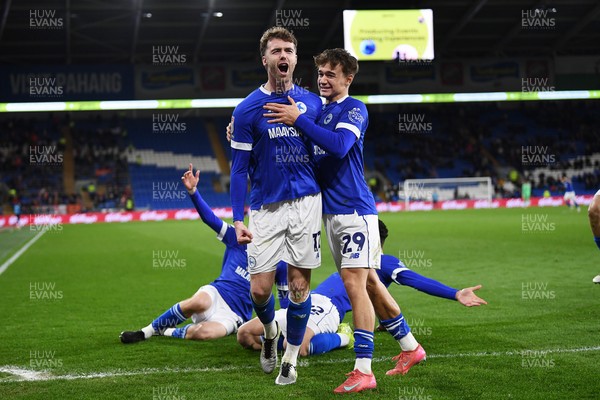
(442, 189)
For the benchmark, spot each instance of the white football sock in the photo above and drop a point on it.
(408, 342)
(169, 332)
(344, 339)
(148, 331)
(291, 354)
(363, 365)
(270, 330)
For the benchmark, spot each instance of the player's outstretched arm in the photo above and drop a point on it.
(468, 298)
(190, 181)
(407, 277)
(337, 142)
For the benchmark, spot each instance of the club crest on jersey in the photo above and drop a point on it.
(355, 116)
(328, 119)
(301, 107)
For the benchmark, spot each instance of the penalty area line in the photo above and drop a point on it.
(23, 374)
(22, 250)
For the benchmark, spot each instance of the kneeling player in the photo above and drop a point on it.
(219, 308)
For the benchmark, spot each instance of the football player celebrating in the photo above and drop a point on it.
(349, 211)
(219, 308)
(285, 199)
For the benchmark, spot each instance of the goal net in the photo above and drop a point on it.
(443, 189)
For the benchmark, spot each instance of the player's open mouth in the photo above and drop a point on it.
(283, 67)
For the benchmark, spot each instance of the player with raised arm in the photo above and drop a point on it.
(349, 209)
(569, 196)
(285, 199)
(594, 217)
(216, 309)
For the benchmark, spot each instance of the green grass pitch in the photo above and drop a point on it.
(64, 302)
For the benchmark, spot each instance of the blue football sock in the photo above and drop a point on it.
(324, 342)
(265, 312)
(397, 327)
(180, 332)
(363, 345)
(170, 318)
(297, 318)
(597, 240)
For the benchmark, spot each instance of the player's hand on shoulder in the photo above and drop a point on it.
(468, 298)
(244, 236)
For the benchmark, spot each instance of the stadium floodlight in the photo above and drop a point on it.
(392, 98)
(564, 95)
(477, 97)
(129, 105)
(215, 103)
(41, 106)
(232, 102)
(442, 189)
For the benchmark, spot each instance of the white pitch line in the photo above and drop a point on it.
(305, 363)
(516, 352)
(23, 374)
(22, 250)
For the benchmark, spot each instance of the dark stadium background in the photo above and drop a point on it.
(106, 50)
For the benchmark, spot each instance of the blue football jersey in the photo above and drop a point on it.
(568, 186)
(234, 282)
(390, 270)
(343, 186)
(393, 270)
(333, 288)
(281, 166)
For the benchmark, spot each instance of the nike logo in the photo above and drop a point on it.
(349, 388)
(406, 364)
